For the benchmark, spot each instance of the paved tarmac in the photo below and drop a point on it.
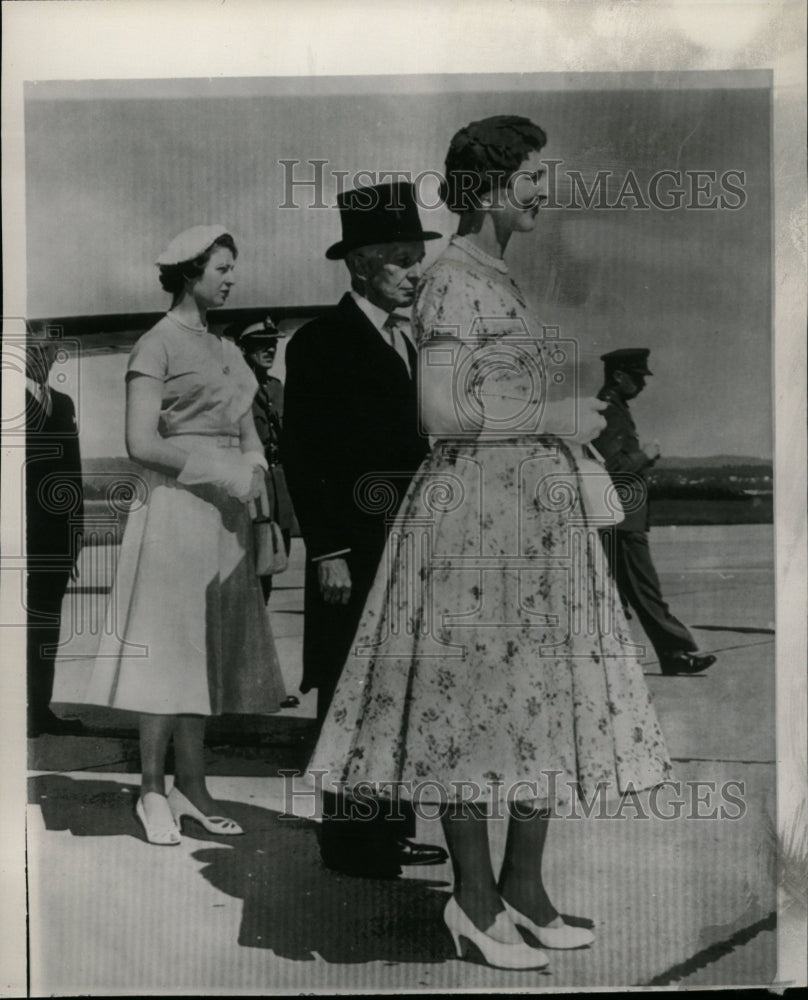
(681, 901)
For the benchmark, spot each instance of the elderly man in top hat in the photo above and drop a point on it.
(351, 412)
(625, 372)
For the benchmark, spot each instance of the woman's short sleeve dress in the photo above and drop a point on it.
(186, 629)
(493, 647)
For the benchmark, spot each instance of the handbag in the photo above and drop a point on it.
(599, 494)
(270, 551)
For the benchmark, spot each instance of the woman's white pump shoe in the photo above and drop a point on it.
(181, 806)
(500, 954)
(565, 936)
(163, 831)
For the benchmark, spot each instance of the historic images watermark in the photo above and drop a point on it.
(558, 798)
(313, 183)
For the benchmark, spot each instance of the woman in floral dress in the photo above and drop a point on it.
(490, 664)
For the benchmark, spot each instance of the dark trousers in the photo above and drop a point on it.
(630, 560)
(266, 581)
(45, 591)
(360, 837)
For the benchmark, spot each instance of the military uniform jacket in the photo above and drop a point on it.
(268, 416)
(620, 447)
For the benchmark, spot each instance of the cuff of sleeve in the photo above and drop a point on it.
(256, 458)
(330, 555)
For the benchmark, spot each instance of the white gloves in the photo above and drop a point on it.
(240, 476)
(256, 458)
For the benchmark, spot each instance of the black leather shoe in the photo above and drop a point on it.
(55, 726)
(686, 663)
(408, 853)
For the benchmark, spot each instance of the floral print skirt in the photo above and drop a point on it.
(493, 652)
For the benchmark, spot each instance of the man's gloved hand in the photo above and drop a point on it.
(652, 450)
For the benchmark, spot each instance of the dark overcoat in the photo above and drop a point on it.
(350, 447)
(54, 505)
(54, 510)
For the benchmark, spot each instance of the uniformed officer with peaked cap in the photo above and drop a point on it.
(625, 372)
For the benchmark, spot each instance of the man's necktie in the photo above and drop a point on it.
(395, 326)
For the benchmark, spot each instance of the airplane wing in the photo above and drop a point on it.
(117, 332)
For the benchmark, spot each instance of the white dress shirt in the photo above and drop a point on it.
(41, 394)
(395, 335)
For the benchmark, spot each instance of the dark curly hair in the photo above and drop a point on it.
(485, 155)
(174, 276)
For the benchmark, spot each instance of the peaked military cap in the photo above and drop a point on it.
(628, 359)
(257, 333)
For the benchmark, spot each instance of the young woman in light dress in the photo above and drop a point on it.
(187, 635)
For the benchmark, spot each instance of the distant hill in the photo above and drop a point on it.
(720, 489)
(710, 461)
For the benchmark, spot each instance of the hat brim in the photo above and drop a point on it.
(616, 366)
(340, 250)
(254, 338)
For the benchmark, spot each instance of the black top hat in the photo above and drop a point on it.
(628, 359)
(386, 213)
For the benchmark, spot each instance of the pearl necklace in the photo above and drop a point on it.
(497, 263)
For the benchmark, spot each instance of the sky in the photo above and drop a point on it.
(114, 170)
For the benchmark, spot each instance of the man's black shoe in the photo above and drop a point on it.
(53, 725)
(685, 663)
(408, 853)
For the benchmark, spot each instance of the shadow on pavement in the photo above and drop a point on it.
(86, 808)
(292, 905)
(238, 746)
(298, 909)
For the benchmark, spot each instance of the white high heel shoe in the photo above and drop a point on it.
(164, 832)
(500, 954)
(181, 806)
(565, 936)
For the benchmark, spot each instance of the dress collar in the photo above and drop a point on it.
(497, 263)
(186, 326)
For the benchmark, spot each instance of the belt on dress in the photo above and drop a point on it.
(219, 440)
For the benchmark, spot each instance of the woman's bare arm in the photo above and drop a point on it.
(144, 444)
(444, 410)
